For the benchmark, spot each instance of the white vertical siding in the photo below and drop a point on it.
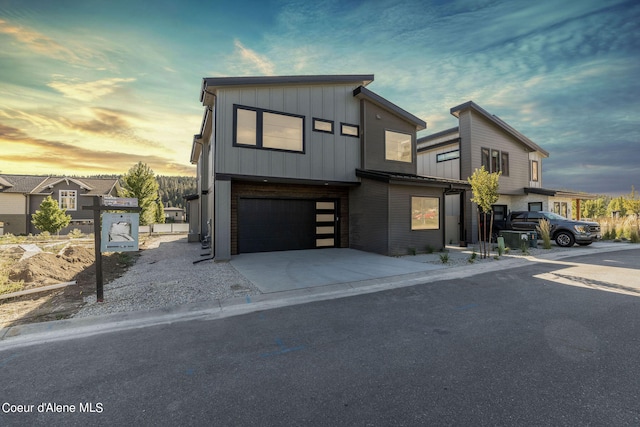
(429, 166)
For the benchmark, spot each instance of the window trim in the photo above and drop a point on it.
(486, 160)
(260, 129)
(535, 171)
(412, 156)
(315, 120)
(74, 197)
(356, 127)
(438, 160)
(438, 213)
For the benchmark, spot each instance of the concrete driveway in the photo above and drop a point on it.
(289, 270)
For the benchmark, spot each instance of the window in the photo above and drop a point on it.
(495, 161)
(504, 164)
(534, 170)
(499, 212)
(349, 130)
(425, 213)
(484, 153)
(535, 206)
(320, 125)
(450, 155)
(260, 128)
(68, 200)
(398, 146)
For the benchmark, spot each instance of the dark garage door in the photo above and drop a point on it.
(276, 225)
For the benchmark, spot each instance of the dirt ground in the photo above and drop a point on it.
(73, 262)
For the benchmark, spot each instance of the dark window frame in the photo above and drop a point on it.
(343, 124)
(438, 160)
(331, 122)
(260, 129)
(534, 204)
(501, 160)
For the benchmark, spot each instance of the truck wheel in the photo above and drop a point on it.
(565, 239)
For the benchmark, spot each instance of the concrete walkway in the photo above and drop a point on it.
(290, 270)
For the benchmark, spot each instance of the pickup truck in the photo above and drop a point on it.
(565, 232)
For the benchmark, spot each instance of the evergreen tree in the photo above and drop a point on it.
(159, 219)
(50, 217)
(140, 183)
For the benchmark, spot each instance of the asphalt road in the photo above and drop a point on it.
(546, 344)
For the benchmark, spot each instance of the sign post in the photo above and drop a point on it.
(121, 233)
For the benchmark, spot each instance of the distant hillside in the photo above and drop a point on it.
(172, 188)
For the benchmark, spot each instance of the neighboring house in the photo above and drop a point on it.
(21, 196)
(173, 214)
(483, 139)
(302, 162)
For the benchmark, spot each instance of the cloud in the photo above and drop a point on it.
(38, 42)
(55, 156)
(88, 91)
(253, 60)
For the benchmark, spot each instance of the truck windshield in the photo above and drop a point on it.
(552, 215)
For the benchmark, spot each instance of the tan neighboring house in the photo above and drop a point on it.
(172, 214)
(483, 139)
(21, 196)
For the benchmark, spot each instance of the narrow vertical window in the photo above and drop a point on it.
(534, 170)
(246, 127)
(484, 159)
(505, 163)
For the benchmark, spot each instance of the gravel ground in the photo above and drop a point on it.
(164, 275)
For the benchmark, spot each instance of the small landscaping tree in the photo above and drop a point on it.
(484, 186)
(50, 217)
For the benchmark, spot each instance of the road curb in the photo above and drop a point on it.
(57, 330)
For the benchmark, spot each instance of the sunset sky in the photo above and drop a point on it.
(92, 87)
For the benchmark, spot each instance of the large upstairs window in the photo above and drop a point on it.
(258, 128)
(398, 146)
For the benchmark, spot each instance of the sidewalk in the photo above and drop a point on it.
(251, 300)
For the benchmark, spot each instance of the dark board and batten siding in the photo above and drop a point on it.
(326, 156)
(369, 217)
(403, 237)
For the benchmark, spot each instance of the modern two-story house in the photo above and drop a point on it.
(21, 196)
(483, 139)
(304, 162)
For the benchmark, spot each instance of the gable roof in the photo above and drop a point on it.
(470, 105)
(363, 93)
(210, 84)
(29, 184)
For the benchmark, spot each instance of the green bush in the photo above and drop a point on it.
(444, 258)
(75, 234)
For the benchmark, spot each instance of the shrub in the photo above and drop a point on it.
(429, 249)
(75, 234)
(472, 257)
(444, 258)
(412, 251)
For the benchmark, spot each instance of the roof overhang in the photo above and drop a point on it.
(280, 180)
(398, 178)
(211, 84)
(470, 105)
(561, 193)
(196, 149)
(363, 93)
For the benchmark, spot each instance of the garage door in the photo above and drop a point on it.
(283, 224)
